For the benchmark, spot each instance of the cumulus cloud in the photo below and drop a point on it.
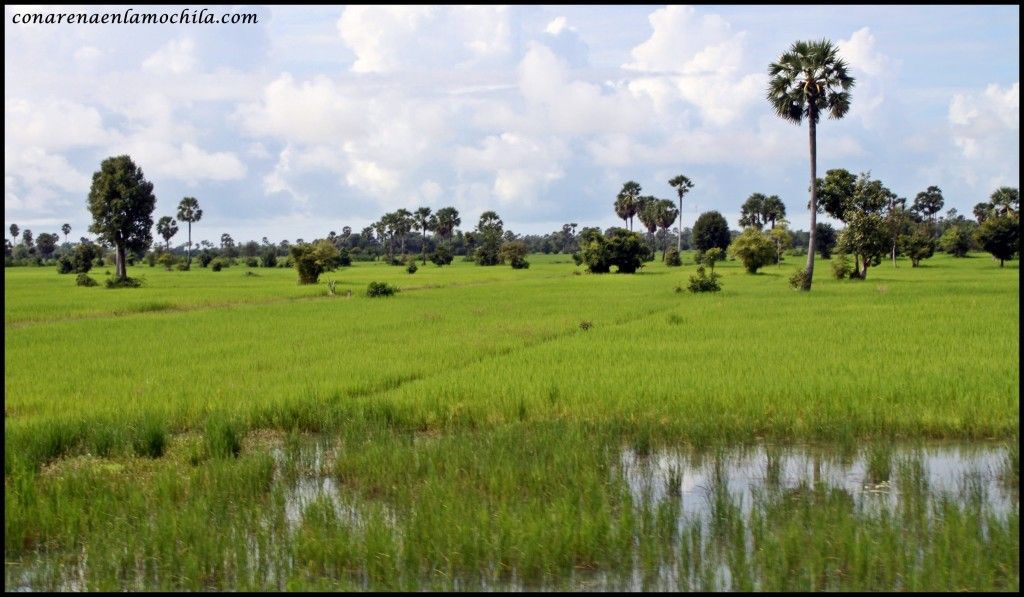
(985, 128)
(52, 124)
(176, 57)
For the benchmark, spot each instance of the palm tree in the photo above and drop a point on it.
(627, 203)
(66, 229)
(447, 221)
(188, 211)
(423, 220)
(682, 185)
(403, 224)
(15, 230)
(773, 209)
(666, 214)
(752, 211)
(647, 212)
(808, 79)
(167, 228)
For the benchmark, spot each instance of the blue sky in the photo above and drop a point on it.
(321, 117)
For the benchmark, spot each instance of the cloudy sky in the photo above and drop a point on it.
(317, 118)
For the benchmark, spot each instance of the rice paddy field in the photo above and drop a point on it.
(497, 429)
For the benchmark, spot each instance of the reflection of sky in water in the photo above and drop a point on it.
(948, 469)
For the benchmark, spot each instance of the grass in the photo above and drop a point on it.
(479, 419)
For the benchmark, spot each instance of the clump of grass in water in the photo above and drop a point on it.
(879, 464)
(223, 438)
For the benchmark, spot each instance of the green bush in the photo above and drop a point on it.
(841, 266)
(125, 282)
(376, 289)
(703, 282)
(204, 258)
(311, 260)
(441, 256)
(754, 248)
(218, 264)
(270, 259)
(85, 280)
(65, 265)
(710, 257)
(252, 262)
(796, 281)
(672, 258)
(182, 267)
(412, 267)
(166, 260)
(344, 258)
(619, 247)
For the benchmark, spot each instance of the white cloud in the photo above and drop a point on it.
(860, 53)
(985, 129)
(556, 26)
(176, 57)
(373, 179)
(52, 124)
(311, 111)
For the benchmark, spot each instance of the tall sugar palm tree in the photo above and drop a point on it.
(66, 229)
(423, 222)
(807, 80)
(627, 203)
(188, 211)
(167, 228)
(773, 209)
(682, 185)
(647, 211)
(666, 215)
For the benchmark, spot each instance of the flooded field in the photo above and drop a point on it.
(902, 517)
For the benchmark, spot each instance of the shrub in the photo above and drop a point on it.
(411, 268)
(84, 257)
(65, 265)
(125, 282)
(441, 256)
(217, 264)
(151, 259)
(84, 280)
(204, 258)
(252, 262)
(754, 248)
(586, 324)
(182, 267)
(672, 258)
(956, 241)
(703, 282)
(619, 247)
(796, 281)
(841, 266)
(312, 259)
(376, 289)
(710, 230)
(514, 253)
(332, 287)
(919, 245)
(166, 260)
(712, 256)
(270, 259)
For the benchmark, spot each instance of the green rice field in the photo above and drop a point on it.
(498, 429)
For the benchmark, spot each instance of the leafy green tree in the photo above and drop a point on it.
(27, 237)
(754, 248)
(311, 260)
(918, 245)
(188, 211)
(711, 257)
(1005, 201)
(782, 237)
(865, 237)
(899, 221)
(442, 255)
(807, 80)
(751, 211)
(84, 256)
(627, 202)
(618, 247)
(46, 244)
(1000, 236)
(956, 241)
(682, 185)
(121, 201)
(711, 230)
(825, 239)
(167, 227)
(66, 229)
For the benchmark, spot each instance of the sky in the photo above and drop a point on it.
(316, 118)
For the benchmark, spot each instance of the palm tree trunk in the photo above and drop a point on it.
(189, 258)
(814, 198)
(679, 237)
